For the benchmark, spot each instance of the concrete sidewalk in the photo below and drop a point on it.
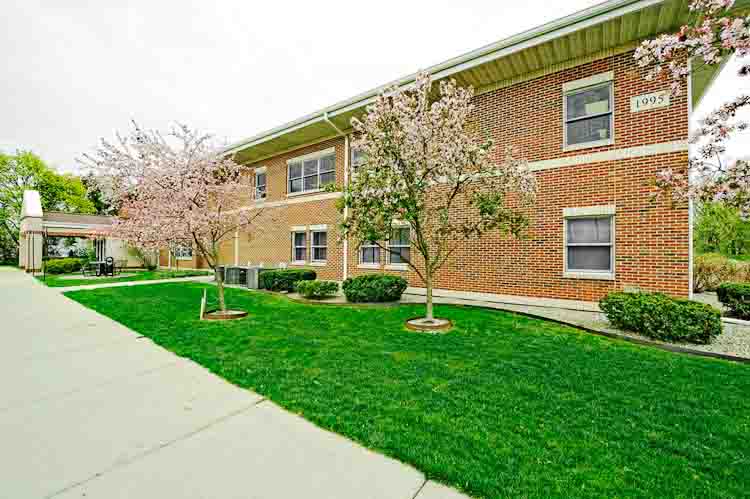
(91, 409)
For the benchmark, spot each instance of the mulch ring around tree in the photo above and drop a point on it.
(225, 315)
(433, 326)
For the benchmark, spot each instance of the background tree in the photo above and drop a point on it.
(173, 189)
(713, 34)
(97, 191)
(720, 229)
(25, 170)
(422, 165)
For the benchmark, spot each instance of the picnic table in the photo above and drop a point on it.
(100, 267)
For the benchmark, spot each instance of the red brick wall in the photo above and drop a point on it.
(651, 241)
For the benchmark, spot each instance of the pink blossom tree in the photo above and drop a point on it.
(421, 166)
(712, 35)
(174, 190)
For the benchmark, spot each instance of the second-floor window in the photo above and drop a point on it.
(311, 173)
(588, 116)
(260, 184)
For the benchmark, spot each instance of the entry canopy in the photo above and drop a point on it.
(606, 29)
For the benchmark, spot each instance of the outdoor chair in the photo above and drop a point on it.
(119, 265)
(109, 266)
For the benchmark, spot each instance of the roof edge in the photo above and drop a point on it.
(552, 29)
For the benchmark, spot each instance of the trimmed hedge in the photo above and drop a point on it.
(62, 265)
(662, 317)
(317, 289)
(284, 279)
(736, 297)
(374, 288)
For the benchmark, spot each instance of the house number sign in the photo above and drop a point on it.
(646, 102)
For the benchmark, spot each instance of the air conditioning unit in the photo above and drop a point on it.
(252, 277)
(236, 275)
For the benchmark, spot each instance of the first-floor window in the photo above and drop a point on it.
(369, 253)
(589, 244)
(183, 252)
(260, 185)
(299, 246)
(319, 246)
(398, 245)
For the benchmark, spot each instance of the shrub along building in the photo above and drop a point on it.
(570, 97)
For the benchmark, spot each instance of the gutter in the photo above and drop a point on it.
(554, 29)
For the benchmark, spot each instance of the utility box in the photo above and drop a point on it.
(252, 277)
(242, 276)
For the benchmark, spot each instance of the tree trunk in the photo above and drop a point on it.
(220, 290)
(428, 284)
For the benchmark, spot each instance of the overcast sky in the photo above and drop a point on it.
(76, 71)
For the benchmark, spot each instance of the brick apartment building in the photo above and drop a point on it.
(570, 96)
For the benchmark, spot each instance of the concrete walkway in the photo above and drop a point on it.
(93, 285)
(90, 409)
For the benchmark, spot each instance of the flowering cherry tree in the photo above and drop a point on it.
(712, 35)
(421, 166)
(173, 190)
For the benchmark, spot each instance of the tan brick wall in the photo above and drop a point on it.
(268, 241)
(651, 241)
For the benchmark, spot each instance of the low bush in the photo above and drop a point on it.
(374, 288)
(317, 289)
(662, 317)
(284, 279)
(62, 265)
(710, 270)
(736, 297)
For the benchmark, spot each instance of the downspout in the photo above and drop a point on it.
(346, 182)
(346, 208)
(691, 206)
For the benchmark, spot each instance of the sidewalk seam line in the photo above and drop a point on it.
(157, 448)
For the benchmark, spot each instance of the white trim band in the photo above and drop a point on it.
(589, 211)
(588, 82)
(613, 155)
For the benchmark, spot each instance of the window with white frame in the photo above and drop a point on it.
(319, 246)
(369, 253)
(311, 173)
(399, 246)
(183, 252)
(299, 246)
(357, 157)
(588, 115)
(589, 244)
(260, 184)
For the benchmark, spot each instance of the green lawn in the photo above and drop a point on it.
(503, 406)
(57, 281)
